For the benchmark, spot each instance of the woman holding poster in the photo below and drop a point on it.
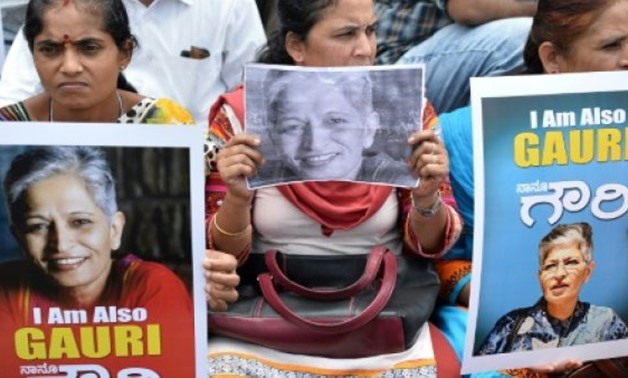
(327, 219)
(566, 36)
(89, 311)
(74, 300)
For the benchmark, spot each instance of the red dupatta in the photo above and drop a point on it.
(334, 205)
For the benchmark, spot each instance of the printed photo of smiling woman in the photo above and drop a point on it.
(322, 125)
(73, 298)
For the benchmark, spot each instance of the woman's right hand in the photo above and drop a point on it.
(237, 160)
(561, 367)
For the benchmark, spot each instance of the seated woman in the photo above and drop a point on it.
(125, 312)
(566, 36)
(324, 218)
(80, 49)
(559, 318)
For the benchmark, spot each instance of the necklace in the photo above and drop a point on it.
(51, 117)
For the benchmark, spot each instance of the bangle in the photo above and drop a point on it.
(227, 233)
(427, 212)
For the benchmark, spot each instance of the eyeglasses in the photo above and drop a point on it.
(569, 266)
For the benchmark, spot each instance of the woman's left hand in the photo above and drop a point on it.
(221, 279)
(429, 163)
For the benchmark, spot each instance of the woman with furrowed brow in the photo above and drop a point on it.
(80, 50)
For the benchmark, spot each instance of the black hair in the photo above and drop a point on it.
(298, 17)
(112, 12)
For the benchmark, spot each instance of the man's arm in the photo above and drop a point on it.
(476, 12)
(245, 36)
(19, 79)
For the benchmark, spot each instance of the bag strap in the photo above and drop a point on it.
(380, 301)
(371, 269)
(520, 316)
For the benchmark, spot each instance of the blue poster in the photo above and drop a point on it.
(551, 241)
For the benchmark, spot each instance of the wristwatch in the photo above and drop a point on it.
(428, 212)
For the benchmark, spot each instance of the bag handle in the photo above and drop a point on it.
(380, 301)
(612, 367)
(371, 269)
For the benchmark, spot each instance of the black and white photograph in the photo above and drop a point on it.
(334, 124)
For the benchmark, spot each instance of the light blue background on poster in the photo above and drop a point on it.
(509, 256)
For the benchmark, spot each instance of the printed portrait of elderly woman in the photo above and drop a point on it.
(63, 212)
(559, 318)
(322, 126)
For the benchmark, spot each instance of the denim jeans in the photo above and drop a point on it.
(456, 53)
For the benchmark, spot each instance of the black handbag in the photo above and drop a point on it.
(333, 306)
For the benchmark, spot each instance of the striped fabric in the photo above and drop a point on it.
(15, 112)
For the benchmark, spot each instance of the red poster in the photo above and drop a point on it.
(97, 277)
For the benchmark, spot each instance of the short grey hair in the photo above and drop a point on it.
(37, 164)
(356, 87)
(581, 233)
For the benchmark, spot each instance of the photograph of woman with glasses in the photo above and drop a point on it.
(559, 318)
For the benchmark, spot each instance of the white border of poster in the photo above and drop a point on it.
(139, 135)
(507, 233)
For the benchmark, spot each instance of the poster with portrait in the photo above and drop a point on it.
(101, 230)
(551, 232)
(333, 124)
